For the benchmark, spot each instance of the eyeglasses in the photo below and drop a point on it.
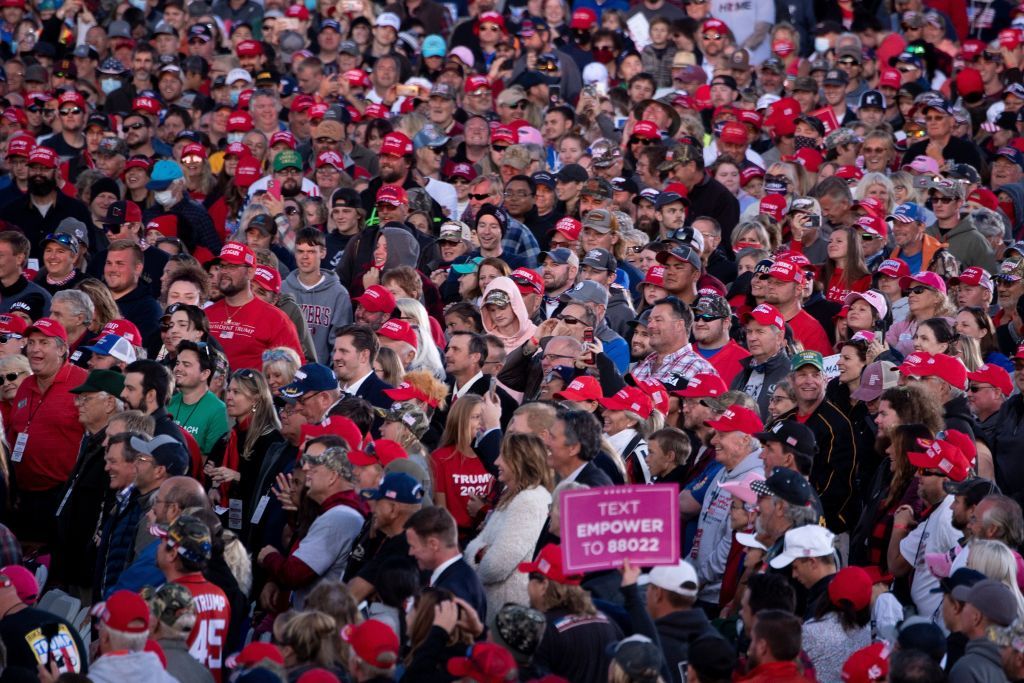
(557, 355)
(289, 171)
(704, 317)
(943, 200)
(975, 388)
(641, 141)
(569, 320)
(521, 104)
(9, 377)
(777, 399)
(478, 197)
(712, 36)
(291, 210)
(135, 126)
(918, 290)
(70, 112)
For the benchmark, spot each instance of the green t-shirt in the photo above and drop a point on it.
(206, 420)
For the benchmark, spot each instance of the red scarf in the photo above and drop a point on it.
(231, 454)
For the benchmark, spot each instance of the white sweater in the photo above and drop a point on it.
(509, 536)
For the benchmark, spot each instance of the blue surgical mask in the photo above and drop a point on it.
(821, 45)
(234, 96)
(139, 5)
(109, 85)
(311, 5)
(235, 137)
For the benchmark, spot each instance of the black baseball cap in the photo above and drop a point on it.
(787, 484)
(961, 577)
(973, 489)
(792, 434)
(347, 197)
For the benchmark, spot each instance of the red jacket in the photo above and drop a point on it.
(774, 672)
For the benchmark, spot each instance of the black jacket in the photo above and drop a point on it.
(22, 213)
(957, 415)
(1008, 444)
(775, 370)
(74, 555)
(479, 388)
(154, 262)
(524, 373)
(141, 308)
(711, 198)
(372, 389)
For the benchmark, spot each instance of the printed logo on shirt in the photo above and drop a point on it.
(60, 648)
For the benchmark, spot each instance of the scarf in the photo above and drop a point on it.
(232, 456)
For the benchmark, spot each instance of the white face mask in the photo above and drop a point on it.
(109, 85)
(235, 137)
(821, 45)
(164, 198)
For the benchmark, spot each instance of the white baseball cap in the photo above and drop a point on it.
(389, 19)
(236, 75)
(679, 578)
(805, 541)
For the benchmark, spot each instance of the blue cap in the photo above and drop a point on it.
(397, 486)
(544, 178)
(113, 345)
(332, 24)
(429, 137)
(434, 46)
(164, 173)
(909, 58)
(559, 255)
(908, 213)
(1011, 153)
(309, 378)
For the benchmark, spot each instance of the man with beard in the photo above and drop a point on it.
(195, 408)
(195, 227)
(711, 321)
(122, 273)
(560, 269)
(640, 340)
(245, 325)
(138, 133)
(40, 212)
(70, 141)
(124, 222)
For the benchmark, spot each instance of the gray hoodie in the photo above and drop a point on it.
(326, 306)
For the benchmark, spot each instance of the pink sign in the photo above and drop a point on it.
(602, 526)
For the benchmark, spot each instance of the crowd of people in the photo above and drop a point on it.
(313, 315)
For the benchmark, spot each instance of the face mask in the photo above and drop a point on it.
(821, 45)
(235, 137)
(603, 55)
(234, 96)
(517, 13)
(138, 4)
(311, 5)
(804, 142)
(164, 198)
(1007, 207)
(109, 85)
(774, 187)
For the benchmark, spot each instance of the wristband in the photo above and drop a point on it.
(900, 526)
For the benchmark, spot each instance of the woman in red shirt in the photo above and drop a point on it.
(845, 270)
(461, 482)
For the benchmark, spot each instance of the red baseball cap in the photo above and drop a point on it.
(646, 130)
(138, 161)
(852, 585)
(994, 375)
(376, 299)
(749, 173)
(569, 227)
(249, 48)
(873, 225)
(549, 564)
(750, 117)
(254, 653)
(477, 82)
(890, 78)
(48, 327)
(583, 18)
(267, 278)
(979, 195)
(394, 195)
(1009, 38)
(12, 324)
(147, 105)
(940, 455)
(399, 330)
(582, 388)
(357, 78)
(71, 97)
(407, 392)
(297, 12)
(396, 144)
(529, 281)
(894, 267)
(248, 171)
(24, 581)
(336, 425)
(734, 133)
(655, 276)
(630, 399)
(703, 385)
(487, 662)
(166, 225)
(373, 641)
(655, 389)
(193, 149)
(283, 137)
(330, 158)
(237, 254)
(124, 611)
(974, 276)
(786, 271)
(867, 665)
(946, 368)
(766, 314)
(378, 452)
(317, 111)
(737, 419)
(849, 172)
(301, 103)
(123, 328)
(969, 81)
(774, 205)
(20, 146)
(970, 49)
(16, 115)
(43, 156)
(240, 122)
(503, 134)
(714, 25)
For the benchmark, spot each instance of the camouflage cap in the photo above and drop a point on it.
(519, 628)
(842, 136)
(604, 153)
(711, 304)
(414, 419)
(169, 602)
(1011, 270)
(516, 156)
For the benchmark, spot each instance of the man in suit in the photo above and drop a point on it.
(463, 361)
(574, 450)
(434, 543)
(355, 349)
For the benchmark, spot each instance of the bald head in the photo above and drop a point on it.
(177, 494)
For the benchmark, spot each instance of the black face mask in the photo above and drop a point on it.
(804, 142)
(41, 186)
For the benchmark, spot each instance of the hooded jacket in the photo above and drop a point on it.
(968, 245)
(1016, 192)
(325, 307)
(526, 328)
(129, 666)
(981, 663)
(403, 249)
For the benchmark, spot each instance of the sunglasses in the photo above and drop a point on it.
(943, 200)
(9, 377)
(919, 290)
(712, 36)
(60, 239)
(521, 104)
(4, 338)
(569, 320)
(70, 112)
(975, 388)
(291, 210)
(135, 126)
(704, 317)
(641, 141)
(499, 148)
(478, 197)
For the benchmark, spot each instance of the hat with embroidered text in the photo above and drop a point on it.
(599, 259)
(703, 385)
(804, 542)
(549, 565)
(630, 399)
(396, 144)
(123, 611)
(807, 358)
(975, 276)
(867, 665)
(586, 292)
(926, 278)
(237, 254)
(394, 195)
(876, 378)
(786, 271)
(940, 455)
(736, 418)
(12, 325)
(399, 330)
(267, 278)
(528, 281)
(767, 315)
(582, 388)
(994, 375)
(1010, 270)
(655, 276)
(43, 156)
(680, 252)
(48, 327)
(946, 368)
(894, 268)
(374, 642)
(377, 299)
(646, 130)
(115, 346)
(310, 378)
(947, 188)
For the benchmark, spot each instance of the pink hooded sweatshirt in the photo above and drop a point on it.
(526, 328)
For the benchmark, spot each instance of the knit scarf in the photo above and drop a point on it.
(232, 456)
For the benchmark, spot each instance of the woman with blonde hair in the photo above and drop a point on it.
(102, 301)
(750, 233)
(512, 529)
(279, 367)
(388, 366)
(878, 186)
(927, 299)
(234, 463)
(461, 482)
(311, 639)
(427, 357)
(996, 561)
